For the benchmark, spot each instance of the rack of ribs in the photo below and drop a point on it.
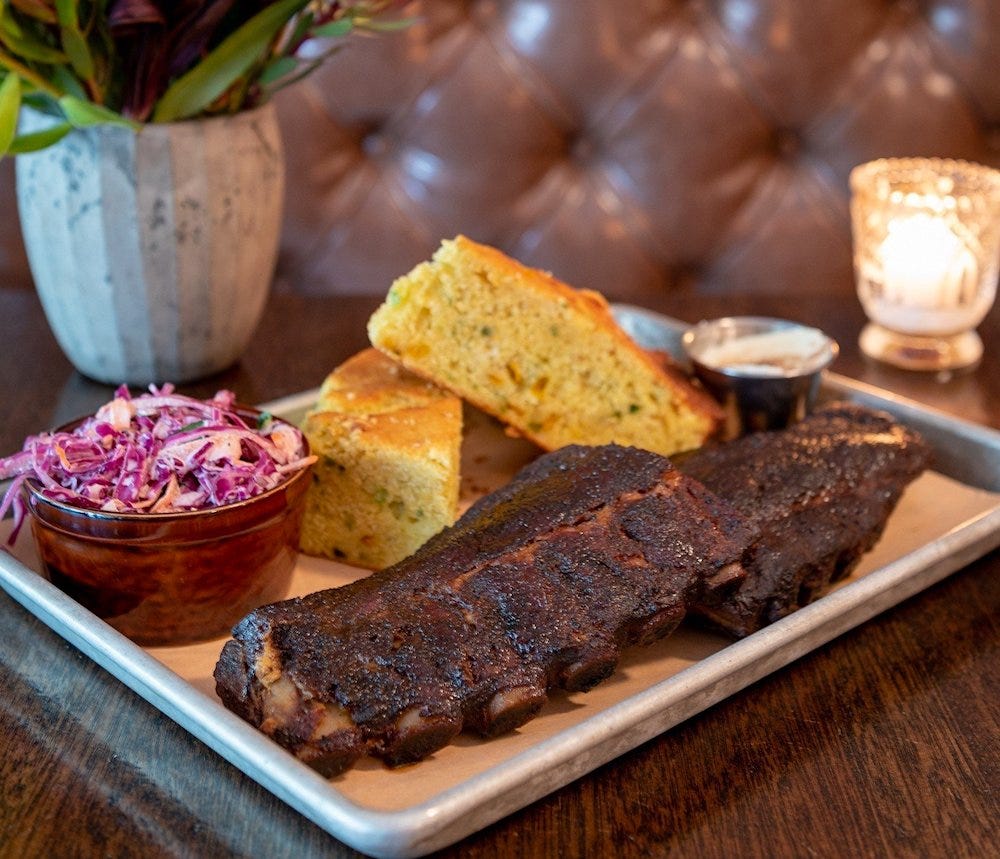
(542, 583)
(538, 586)
(817, 495)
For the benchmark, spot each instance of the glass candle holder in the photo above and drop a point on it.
(926, 255)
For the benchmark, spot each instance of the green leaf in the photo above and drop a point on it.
(68, 83)
(24, 143)
(8, 23)
(40, 101)
(35, 51)
(379, 26)
(304, 70)
(66, 13)
(74, 43)
(197, 89)
(36, 9)
(333, 29)
(278, 69)
(78, 51)
(10, 106)
(27, 48)
(82, 113)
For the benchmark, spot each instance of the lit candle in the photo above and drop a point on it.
(925, 264)
(927, 250)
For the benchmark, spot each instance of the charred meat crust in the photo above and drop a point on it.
(537, 586)
(540, 585)
(818, 496)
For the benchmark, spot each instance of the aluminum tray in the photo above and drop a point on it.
(946, 519)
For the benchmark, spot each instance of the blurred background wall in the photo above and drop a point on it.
(686, 145)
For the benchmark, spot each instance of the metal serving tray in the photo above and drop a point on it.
(945, 520)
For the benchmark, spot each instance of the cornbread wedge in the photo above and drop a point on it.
(546, 359)
(387, 477)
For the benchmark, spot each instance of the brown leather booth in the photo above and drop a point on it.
(630, 147)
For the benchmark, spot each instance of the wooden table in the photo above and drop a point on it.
(885, 742)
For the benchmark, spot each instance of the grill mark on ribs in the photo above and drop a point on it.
(818, 495)
(538, 586)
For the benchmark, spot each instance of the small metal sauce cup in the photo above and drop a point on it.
(765, 372)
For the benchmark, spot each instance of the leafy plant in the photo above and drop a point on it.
(129, 62)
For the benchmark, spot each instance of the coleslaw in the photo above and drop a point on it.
(159, 452)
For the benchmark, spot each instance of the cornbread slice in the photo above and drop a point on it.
(387, 476)
(547, 359)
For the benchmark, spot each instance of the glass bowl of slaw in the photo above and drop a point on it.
(168, 517)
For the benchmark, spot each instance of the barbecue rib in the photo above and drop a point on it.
(539, 585)
(818, 495)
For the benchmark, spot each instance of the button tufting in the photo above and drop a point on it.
(680, 112)
(583, 149)
(374, 144)
(788, 143)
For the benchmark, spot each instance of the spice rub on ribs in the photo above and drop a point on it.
(818, 495)
(538, 586)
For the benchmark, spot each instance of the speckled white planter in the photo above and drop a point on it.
(153, 252)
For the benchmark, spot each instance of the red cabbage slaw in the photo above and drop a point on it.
(159, 452)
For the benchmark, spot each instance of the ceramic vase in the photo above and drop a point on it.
(153, 251)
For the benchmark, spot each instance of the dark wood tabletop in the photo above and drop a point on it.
(885, 742)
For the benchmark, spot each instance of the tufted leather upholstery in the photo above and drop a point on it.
(628, 147)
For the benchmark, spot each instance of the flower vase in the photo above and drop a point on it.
(153, 251)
